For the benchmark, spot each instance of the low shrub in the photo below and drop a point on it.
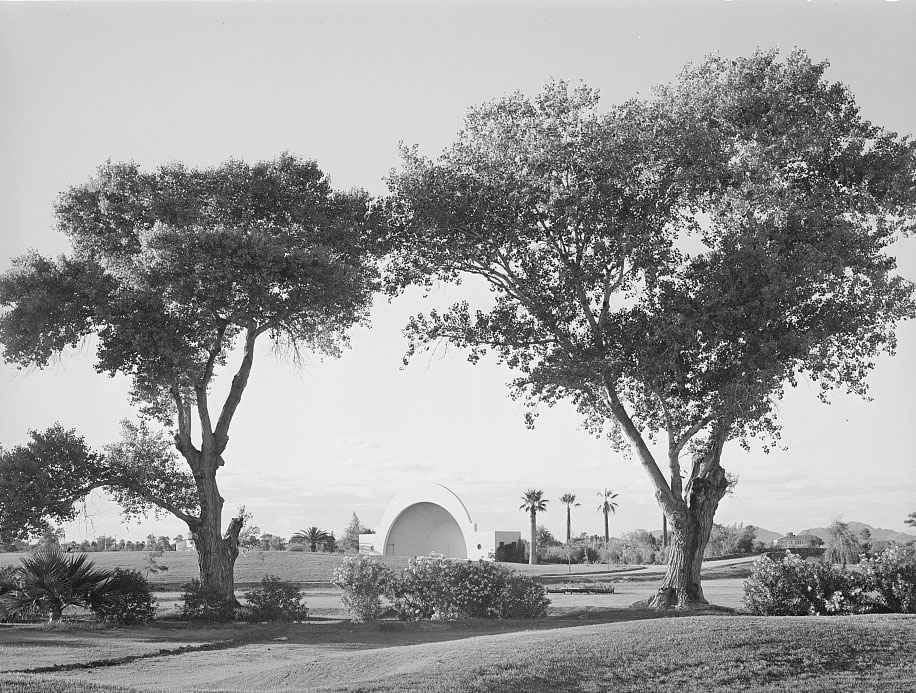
(522, 597)
(364, 582)
(275, 600)
(796, 587)
(201, 603)
(435, 588)
(891, 577)
(129, 600)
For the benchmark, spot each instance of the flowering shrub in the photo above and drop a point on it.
(891, 575)
(436, 588)
(364, 581)
(795, 587)
(275, 600)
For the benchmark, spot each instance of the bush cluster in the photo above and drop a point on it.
(891, 578)
(275, 600)
(130, 599)
(797, 587)
(200, 603)
(364, 582)
(432, 587)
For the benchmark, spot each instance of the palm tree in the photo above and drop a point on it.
(569, 500)
(607, 506)
(311, 536)
(533, 501)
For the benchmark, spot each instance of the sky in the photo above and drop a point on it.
(344, 83)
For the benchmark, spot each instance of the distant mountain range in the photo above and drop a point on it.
(856, 527)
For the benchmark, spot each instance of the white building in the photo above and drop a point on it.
(432, 519)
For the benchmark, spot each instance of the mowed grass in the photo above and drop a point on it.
(295, 566)
(693, 653)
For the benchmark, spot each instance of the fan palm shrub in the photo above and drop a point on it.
(49, 581)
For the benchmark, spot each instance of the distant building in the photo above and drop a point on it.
(798, 541)
(432, 519)
(184, 545)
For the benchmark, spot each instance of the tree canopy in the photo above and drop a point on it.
(170, 271)
(672, 264)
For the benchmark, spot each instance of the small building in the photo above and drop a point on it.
(798, 541)
(184, 545)
(432, 519)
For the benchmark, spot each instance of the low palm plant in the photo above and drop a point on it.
(49, 581)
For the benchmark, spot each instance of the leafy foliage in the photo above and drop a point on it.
(49, 581)
(200, 602)
(842, 544)
(891, 575)
(432, 587)
(796, 587)
(275, 600)
(130, 599)
(364, 582)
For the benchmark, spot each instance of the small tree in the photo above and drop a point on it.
(746, 539)
(569, 500)
(533, 502)
(842, 544)
(911, 520)
(350, 541)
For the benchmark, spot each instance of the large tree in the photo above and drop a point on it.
(670, 266)
(175, 273)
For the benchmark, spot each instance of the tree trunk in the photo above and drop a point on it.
(568, 526)
(690, 530)
(216, 553)
(533, 552)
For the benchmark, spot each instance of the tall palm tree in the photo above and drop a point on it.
(607, 506)
(311, 536)
(569, 500)
(533, 501)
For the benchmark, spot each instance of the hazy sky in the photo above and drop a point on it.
(343, 83)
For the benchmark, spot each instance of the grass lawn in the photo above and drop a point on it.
(303, 566)
(692, 653)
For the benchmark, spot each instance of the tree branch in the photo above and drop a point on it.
(662, 491)
(239, 382)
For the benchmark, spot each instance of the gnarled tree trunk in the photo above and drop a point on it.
(216, 552)
(691, 525)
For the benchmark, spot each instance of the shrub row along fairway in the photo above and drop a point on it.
(708, 653)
